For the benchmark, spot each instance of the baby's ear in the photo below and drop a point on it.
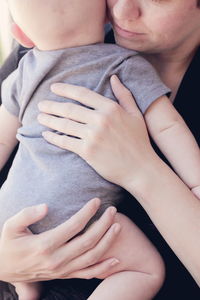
(21, 37)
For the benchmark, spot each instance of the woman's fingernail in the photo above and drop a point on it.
(114, 262)
(45, 134)
(54, 86)
(97, 202)
(114, 77)
(113, 211)
(40, 105)
(40, 208)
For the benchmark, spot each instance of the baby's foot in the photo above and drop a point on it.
(28, 291)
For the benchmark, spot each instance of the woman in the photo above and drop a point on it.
(168, 35)
(170, 41)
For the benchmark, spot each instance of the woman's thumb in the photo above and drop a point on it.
(26, 217)
(123, 95)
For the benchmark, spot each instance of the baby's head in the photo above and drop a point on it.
(57, 24)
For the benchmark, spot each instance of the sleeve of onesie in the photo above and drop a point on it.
(10, 92)
(139, 76)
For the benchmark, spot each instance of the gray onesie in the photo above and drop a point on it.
(44, 173)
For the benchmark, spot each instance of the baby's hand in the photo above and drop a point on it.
(196, 191)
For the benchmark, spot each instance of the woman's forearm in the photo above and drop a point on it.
(174, 210)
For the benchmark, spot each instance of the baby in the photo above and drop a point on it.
(68, 38)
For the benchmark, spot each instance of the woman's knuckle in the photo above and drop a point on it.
(99, 131)
(42, 249)
(103, 122)
(97, 253)
(93, 259)
(87, 244)
(74, 223)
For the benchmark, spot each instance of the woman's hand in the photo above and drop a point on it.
(113, 139)
(54, 254)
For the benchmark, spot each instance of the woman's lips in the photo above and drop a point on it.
(125, 33)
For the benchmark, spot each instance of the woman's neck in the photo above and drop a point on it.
(172, 66)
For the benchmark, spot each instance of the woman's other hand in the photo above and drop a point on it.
(112, 138)
(55, 254)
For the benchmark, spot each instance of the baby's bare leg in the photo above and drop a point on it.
(28, 291)
(140, 273)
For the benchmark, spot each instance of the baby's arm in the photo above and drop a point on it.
(8, 129)
(175, 140)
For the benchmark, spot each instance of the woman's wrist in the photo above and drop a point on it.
(174, 210)
(144, 184)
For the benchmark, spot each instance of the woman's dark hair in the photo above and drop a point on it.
(198, 3)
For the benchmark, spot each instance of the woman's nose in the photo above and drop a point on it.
(126, 10)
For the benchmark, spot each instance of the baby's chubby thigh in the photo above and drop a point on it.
(134, 251)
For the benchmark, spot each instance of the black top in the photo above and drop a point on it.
(178, 284)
